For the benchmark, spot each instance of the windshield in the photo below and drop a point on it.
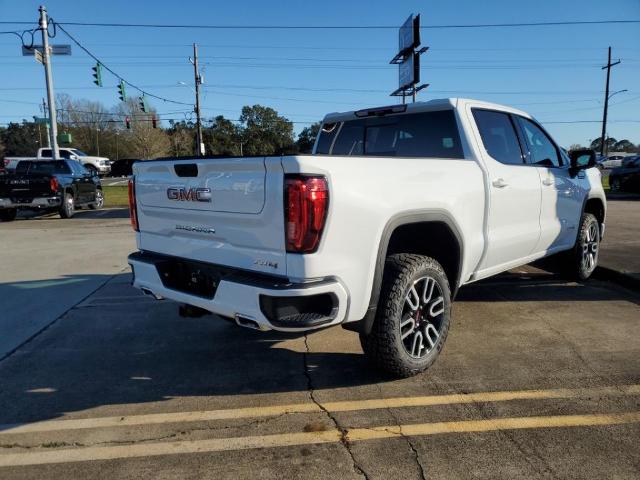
(426, 134)
(80, 153)
(47, 168)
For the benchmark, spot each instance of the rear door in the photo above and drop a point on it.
(226, 211)
(514, 193)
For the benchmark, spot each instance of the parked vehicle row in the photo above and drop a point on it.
(627, 176)
(57, 185)
(397, 208)
(99, 165)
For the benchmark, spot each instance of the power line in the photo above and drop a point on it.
(144, 92)
(341, 27)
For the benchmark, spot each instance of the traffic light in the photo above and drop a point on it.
(143, 104)
(97, 74)
(122, 93)
(127, 122)
(154, 122)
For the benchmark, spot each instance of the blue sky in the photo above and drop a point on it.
(552, 72)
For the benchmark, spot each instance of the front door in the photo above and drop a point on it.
(562, 194)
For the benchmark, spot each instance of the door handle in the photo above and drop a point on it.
(499, 183)
(548, 182)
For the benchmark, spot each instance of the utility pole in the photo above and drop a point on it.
(46, 125)
(198, 81)
(606, 103)
(46, 58)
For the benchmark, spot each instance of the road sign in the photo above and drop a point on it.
(38, 56)
(409, 71)
(53, 50)
(40, 120)
(409, 34)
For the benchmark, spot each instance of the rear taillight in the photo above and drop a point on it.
(54, 184)
(306, 204)
(133, 211)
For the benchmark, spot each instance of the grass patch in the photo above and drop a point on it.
(116, 196)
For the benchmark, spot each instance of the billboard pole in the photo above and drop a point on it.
(46, 60)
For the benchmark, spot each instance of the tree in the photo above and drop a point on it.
(575, 146)
(624, 146)
(307, 138)
(21, 139)
(142, 140)
(182, 136)
(597, 143)
(264, 132)
(224, 137)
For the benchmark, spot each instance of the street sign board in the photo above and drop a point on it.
(40, 120)
(38, 56)
(409, 71)
(409, 34)
(53, 50)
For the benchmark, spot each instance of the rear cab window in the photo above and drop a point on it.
(423, 134)
(499, 136)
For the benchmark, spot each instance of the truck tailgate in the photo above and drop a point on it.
(24, 188)
(226, 211)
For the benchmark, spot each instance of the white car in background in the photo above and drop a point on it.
(99, 165)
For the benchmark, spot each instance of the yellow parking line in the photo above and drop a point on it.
(344, 406)
(291, 439)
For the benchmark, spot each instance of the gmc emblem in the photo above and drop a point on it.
(182, 194)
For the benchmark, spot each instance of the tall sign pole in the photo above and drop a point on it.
(46, 57)
(198, 81)
(408, 59)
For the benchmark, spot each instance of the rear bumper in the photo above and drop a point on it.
(38, 202)
(263, 302)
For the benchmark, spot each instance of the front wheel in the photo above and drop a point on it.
(582, 260)
(8, 215)
(67, 209)
(614, 185)
(413, 316)
(98, 202)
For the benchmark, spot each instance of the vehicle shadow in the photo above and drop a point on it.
(80, 214)
(119, 347)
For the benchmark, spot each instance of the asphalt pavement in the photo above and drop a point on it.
(540, 378)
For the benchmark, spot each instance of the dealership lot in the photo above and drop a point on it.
(540, 377)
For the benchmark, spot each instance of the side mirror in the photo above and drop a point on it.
(582, 159)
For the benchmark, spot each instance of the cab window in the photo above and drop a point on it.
(498, 136)
(542, 151)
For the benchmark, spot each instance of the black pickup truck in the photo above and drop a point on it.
(61, 185)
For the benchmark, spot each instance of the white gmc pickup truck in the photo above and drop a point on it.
(395, 210)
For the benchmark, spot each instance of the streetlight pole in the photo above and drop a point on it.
(46, 59)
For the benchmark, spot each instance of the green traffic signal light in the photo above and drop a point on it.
(122, 94)
(97, 74)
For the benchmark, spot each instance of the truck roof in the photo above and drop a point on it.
(436, 104)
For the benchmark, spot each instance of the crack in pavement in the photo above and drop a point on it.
(343, 431)
(421, 469)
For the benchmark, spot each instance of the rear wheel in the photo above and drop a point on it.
(413, 316)
(8, 215)
(67, 209)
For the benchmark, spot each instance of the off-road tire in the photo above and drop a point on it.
(384, 346)
(8, 215)
(67, 209)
